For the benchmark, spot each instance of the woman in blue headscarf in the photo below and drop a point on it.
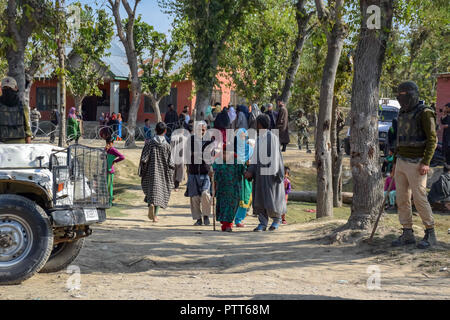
(244, 152)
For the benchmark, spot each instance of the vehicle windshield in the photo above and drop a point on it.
(387, 115)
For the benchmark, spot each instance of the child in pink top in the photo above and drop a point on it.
(392, 193)
(287, 190)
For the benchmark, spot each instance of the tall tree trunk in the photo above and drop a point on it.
(16, 69)
(132, 116)
(336, 158)
(316, 120)
(155, 104)
(202, 100)
(366, 171)
(335, 41)
(126, 36)
(78, 100)
(16, 65)
(302, 24)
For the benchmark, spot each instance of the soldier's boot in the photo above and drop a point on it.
(406, 238)
(428, 240)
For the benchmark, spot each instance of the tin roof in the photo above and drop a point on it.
(116, 61)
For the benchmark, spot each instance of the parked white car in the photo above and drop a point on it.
(387, 112)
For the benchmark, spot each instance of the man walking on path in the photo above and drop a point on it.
(156, 170)
(199, 174)
(14, 116)
(269, 198)
(283, 125)
(416, 143)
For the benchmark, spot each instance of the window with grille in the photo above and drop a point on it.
(46, 98)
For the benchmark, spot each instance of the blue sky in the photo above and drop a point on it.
(149, 9)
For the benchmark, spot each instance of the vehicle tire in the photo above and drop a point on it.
(26, 238)
(62, 255)
(347, 146)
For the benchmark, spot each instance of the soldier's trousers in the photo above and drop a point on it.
(408, 180)
(302, 139)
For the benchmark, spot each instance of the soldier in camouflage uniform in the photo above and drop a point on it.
(14, 116)
(302, 130)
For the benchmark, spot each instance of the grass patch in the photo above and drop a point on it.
(297, 212)
(305, 179)
(115, 212)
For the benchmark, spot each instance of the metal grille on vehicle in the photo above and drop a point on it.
(82, 181)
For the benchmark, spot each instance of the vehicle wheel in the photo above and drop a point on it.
(26, 239)
(347, 146)
(62, 255)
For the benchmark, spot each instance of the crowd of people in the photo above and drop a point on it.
(240, 178)
(232, 178)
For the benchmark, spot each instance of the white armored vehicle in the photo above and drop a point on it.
(49, 198)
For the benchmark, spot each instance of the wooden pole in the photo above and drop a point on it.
(61, 77)
(381, 211)
(214, 202)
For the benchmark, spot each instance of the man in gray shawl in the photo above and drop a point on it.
(156, 170)
(267, 172)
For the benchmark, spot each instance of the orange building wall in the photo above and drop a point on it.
(184, 91)
(53, 83)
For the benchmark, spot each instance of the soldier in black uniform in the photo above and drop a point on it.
(14, 117)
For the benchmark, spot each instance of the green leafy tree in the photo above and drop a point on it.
(419, 47)
(86, 70)
(157, 57)
(335, 29)
(19, 22)
(369, 58)
(258, 53)
(208, 26)
(125, 31)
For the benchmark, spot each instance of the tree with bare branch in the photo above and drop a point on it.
(125, 32)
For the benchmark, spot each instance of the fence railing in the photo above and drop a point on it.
(47, 131)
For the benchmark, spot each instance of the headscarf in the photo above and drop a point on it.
(222, 120)
(232, 114)
(208, 111)
(244, 110)
(72, 113)
(243, 149)
(198, 125)
(255, 110)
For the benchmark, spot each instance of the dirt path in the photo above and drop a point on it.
(131, 258)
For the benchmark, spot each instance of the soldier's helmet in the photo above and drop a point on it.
(9, 82)
(300, 111)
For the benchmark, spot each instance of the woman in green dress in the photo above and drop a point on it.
(228, 189)
(73, 126)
